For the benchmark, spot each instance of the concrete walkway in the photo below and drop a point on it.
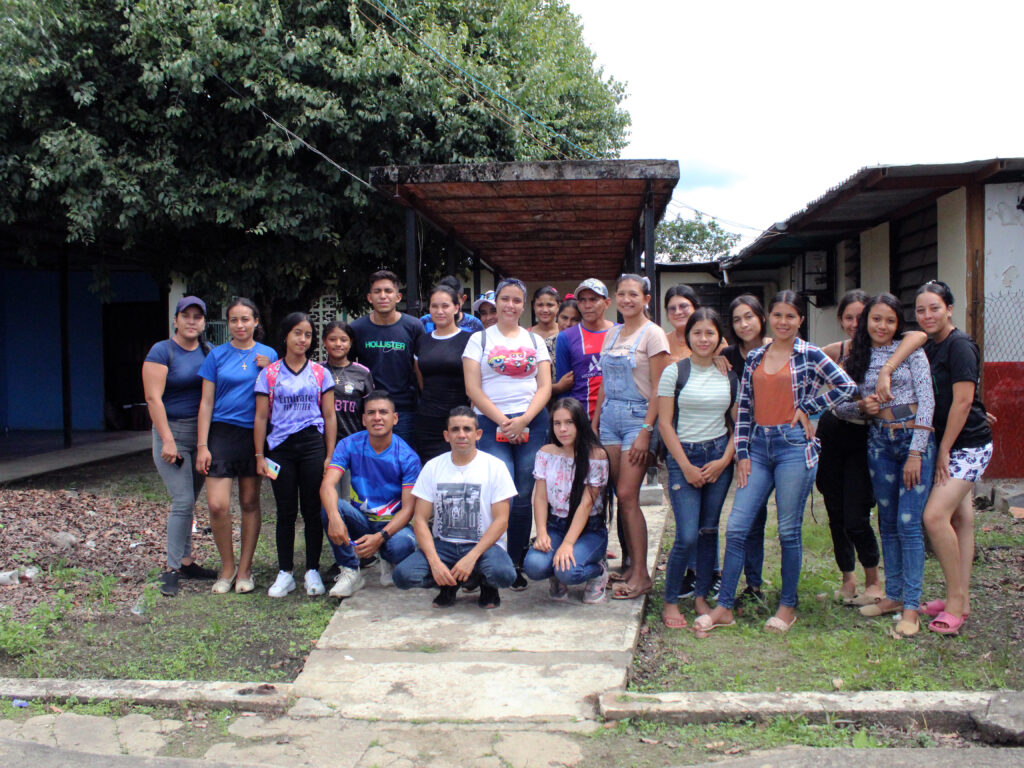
(115, 444)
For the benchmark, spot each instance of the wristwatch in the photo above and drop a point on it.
(648, 427)
(384, 535)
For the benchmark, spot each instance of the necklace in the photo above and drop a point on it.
(242, 356)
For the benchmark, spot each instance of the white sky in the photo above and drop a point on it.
(768, 104)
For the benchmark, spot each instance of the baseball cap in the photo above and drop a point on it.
(190, 301)
(592, 284)
(484, 298)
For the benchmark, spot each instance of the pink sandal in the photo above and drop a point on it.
(934, 607)
(946, 624)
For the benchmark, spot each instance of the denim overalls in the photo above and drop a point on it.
(624, 407)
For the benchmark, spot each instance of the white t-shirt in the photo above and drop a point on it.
(462, 496)
(703, 402)
(508, 371)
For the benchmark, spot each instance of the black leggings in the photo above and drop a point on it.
(844, 481)
(301, 457)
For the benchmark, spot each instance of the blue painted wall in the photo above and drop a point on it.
(30, 381)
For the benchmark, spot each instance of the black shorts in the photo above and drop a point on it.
(232, 451)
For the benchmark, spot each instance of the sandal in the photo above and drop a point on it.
(705, 623)
(244, 586)
(674, 622)
(908, 628)
(777, 626)
(874, 610)
(946, 624)
(631, 593)
(223, 586)
(866, 598)
(934, 607)
(614, 577)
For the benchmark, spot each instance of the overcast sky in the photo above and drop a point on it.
(768, 104)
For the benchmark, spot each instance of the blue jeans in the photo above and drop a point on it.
(777, 460)
(753, 564)
(494, 566)
(588, 551)
(394, 550)
(696, 511)
(900, 511)
(519, 461)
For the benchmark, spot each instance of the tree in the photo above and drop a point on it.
(131, 131)
(697, 239)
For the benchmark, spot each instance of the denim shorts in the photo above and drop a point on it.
(621, 421)
(969, 463)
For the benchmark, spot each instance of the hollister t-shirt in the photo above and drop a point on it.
(508, 367)
(462, 496)
(377, 478)
(296, 401)
(387, 351)
(234, 372)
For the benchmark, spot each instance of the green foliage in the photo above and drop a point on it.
(23, 638)
(131, 128)
(698, 239)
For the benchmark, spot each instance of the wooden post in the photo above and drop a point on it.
(649, 255)
(975, 226)
(412, 288)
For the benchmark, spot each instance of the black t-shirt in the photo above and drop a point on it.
(387, 351)
(736, 359)
(351, 385)
(956, 358)
(440, 362)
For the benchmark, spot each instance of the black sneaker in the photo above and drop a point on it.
(716, 585)
(489, 597)
(689, 582)
(519, 585)
(331, 574)
(169, 583)
(366, 562)
(446, 597)
(472, 584)
(753, 597)
(196, 571)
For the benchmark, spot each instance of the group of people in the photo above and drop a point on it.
(440, 445)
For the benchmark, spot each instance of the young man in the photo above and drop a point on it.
(578, 349)
(382, 468)
(385, 340)
(468, 493)
(462, 320)
(486, 310)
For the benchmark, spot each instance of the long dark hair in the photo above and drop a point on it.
(704, 314)
(570, 303)
(794, 299)
(290, 321)
(939, 288)
(747, 300)
(852, 297)
(682, 289)
(241, 301)
(860, 348)
(587, 444)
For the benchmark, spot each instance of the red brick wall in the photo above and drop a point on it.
(1004, 396)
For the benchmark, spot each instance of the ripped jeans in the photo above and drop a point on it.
(697, 511)
(900, 511)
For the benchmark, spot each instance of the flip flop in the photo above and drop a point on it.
(614, 577)
(874, 610)
(777, 626)
(946, 624)
(674, 622)
(864, 599)
(631, 593)
(706, 626)
(934, 607)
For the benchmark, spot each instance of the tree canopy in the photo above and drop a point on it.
(138, 131)
(697, 239)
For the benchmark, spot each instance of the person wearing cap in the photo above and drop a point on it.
(170, 379)
(578, 348)
(462, 320)
(485, 309)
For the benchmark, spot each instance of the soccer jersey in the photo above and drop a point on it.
(234, 373)
(351, 384)
(579, 350)
(295, 403)
(377, 479)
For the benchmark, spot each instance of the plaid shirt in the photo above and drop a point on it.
(811, 369)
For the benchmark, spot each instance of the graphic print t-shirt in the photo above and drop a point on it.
(508, 367)
(296, 403)
(377, 478)
(462, 496)
(387, 351)
(351, 384)
(579, 350)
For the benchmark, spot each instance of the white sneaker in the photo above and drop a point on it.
(386, 569)
(349, 580)
(282, 585)
(314, 584)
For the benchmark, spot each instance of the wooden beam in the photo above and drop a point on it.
(975, 226)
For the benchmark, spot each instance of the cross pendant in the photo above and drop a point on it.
(244, 366)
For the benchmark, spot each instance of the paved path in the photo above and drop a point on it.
(390, 654)
(116, 444)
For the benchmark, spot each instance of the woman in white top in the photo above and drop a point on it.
(508, 379)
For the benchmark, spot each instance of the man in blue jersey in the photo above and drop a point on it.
(383, 469)
(578, 348)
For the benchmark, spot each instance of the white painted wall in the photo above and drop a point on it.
(176, 294)
(1004, 273)
(951, 222)
(874, 259)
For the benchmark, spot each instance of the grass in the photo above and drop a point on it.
(832, 647)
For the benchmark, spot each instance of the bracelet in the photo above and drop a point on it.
(201, 445)
(916, 454)
(887, 363)
(259, 455)
(646, 426)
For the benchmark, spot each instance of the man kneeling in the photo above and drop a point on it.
(468, 493)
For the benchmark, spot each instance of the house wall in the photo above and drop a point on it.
(951, 223)
(874, 259)
(1004, 326)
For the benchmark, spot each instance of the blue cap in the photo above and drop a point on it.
(190, 301)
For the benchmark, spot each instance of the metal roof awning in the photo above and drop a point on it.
(871, 196)
(539, 220)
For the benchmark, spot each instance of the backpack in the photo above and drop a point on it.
(683, 368)
(274, 370)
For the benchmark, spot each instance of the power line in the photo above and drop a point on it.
(398, 19)
(719, 219)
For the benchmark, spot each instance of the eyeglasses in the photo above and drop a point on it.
(510, 281)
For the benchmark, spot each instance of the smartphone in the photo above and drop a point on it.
(902, 412)
(500, 436)
(273, 468)
(179, 461)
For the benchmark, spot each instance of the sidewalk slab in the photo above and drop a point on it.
(25, 753)
(122, 444)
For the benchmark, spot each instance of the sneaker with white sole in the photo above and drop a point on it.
(349, 580)
(386, 569)
(594, 590)
(557, 591)
(284, 584)
(314, 584)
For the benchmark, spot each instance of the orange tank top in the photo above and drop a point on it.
(773, 396)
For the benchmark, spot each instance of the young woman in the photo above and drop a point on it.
(569, 314)
(747, 324)
(296, 397)
(695, 425)
(776, 448)
(170, 379)
(570, 496)
(545, 309)
(439, 371)
(352, 381)
(508, 379)
(843, 477)
(680, 303)
(900, 453)
(633, 357)
(226, 451)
